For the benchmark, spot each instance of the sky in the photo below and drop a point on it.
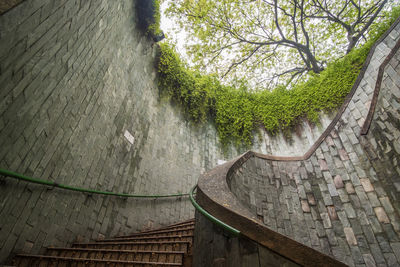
(179, 37)
(172, 31)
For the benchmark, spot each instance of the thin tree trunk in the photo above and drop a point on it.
(311, 58)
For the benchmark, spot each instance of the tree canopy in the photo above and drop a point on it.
(273, 41)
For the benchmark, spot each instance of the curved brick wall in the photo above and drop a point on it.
(344, 199)
(75, 76)
(77, 82)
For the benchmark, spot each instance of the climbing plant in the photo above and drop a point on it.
(238, 112)
(149, 18)
(249, 39)
(154, 27)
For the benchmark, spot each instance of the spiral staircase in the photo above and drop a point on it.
(167, 246)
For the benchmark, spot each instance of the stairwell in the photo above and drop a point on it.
(167, 246)
(80, 104)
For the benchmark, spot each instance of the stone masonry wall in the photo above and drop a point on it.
(79, 105)
(301, 140)
(382, 143)
(344, 199)
(219, 248)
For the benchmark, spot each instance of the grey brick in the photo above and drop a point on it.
(376, 227)
(349, 210)
(390, 259)
(326, 221)
(369, 260)
(331, 237)
(356, 254)
(377, 253)
(373, 199)
(386, 204)
(354, 179)
(325, 246)
(384, 244)
(8, 246)
(391, 234)
(332, 190)
(356, 226)
(396, 250)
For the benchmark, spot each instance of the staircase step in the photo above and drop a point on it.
(187, 224)
(138, 245)
(167, 246)
(182, 231)
(186, 227)
(118, 254)
(39, 260)
(181, 223)
(164, 237)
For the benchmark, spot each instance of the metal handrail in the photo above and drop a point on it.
(72, 188)
(21, 177)
(230, 229)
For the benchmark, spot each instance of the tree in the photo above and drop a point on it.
(267, 40)
(355, 17)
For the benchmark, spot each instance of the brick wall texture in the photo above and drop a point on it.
(345, 199)
(74, 77)
(214, 246)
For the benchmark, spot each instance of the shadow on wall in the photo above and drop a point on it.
(6, 5)
(145, 13)
(149, 19)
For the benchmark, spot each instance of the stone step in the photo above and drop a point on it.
(44, 260)
(138, 245)
(179, 224)
(168, 246)
(163, 237)
(118, 254)
(167, 232)
(186, 226)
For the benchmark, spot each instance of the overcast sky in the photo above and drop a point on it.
(172, 32)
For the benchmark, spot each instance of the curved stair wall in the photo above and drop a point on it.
(79, 105)
(337, 204)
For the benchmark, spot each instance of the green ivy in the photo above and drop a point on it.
(238, 112)
(154, 28)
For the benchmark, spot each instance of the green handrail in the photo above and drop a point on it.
(67, 187)
(21, 177)
(230, 229)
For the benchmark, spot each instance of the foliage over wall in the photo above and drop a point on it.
(154, 27)
(238, 112)
(149, 16)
